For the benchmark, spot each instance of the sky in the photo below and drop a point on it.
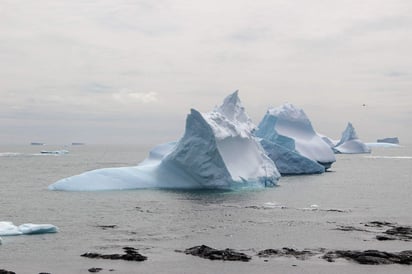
(128, 71)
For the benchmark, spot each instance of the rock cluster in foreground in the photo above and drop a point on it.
(130, 254)
(371, 257)
(210, 253)
(385, 231)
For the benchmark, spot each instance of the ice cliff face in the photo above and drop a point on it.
(350, 143)
(302, 150)
(244, 157)
(196, 156)
(216, 151)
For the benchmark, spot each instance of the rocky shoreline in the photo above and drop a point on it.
(383, 231)
(371, 257)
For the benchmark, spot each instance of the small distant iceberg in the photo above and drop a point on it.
(389, 140)
(9, 229)
(350, 143)
(291, 142)
(37, 144)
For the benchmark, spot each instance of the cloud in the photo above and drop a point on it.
(126, 97)
(101, 58)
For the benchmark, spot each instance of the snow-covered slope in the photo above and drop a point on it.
(216, 151)
(332, 143)
(289, 127)
(350, 143)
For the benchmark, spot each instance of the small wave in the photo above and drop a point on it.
(384, 145)
(10, 154)
(389, 157)
(276, 205)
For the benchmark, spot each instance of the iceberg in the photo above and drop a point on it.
(390, 140)
(9, 229)
(290, 162)
(291, 142)
(350, 143)
(217, 150)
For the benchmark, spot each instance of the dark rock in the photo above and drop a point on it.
(384, 238)
(106, 226)
(131, 254)
(400, 232)
(3, 271)
(393, 231)
(207, 252)
(95, 269)
(371, 257)
(350, 228)
(378, 224)
(287, 252)
(336, 210)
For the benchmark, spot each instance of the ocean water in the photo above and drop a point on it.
(302, 212)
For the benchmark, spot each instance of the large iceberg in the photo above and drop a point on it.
(9, 229)
(216, 151)
(291, 142)
(350, 143)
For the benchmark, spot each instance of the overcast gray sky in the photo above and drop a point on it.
(128, 71)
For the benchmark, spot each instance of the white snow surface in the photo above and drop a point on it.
(9, 229)
(332, 143)
(350, 143)
(233, 110)
(216, 151)
(289, 127)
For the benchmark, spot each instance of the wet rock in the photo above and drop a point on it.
(95, 269)
(378, 224)
(131, 254)
(371, 257)
(3, 271)
(350, 228)
(384, 238)
(207, 252)
(104, 227)
(288, 252)
(400, 232)
(392, 232)
(336, 210)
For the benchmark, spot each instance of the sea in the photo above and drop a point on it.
(302, 212)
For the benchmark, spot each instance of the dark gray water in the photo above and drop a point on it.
(375, 187)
